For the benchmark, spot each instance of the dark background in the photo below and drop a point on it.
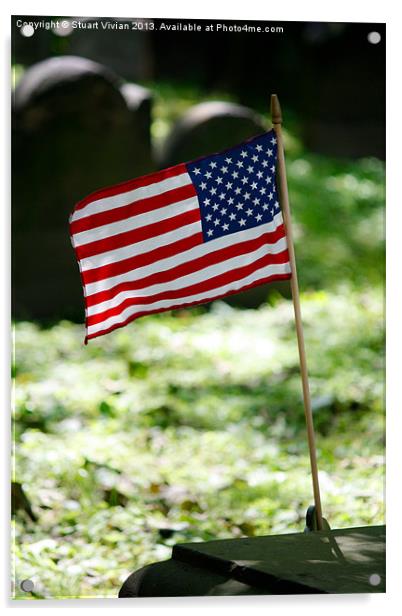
(326, 72)
(79, 126)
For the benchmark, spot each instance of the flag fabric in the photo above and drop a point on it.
(181, 236)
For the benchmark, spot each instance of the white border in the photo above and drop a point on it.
(308, 10)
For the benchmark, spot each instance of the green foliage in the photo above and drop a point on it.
(339, 219)
(190, 428)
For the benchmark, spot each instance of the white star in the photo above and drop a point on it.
(235, 174)
(242, 222)
(212, 191)
(224, 169)
(208, 217)
(210, 232)
(258, 217)
(256, 201)
(239, 206)
(207, 201)
(258, 148)
(268, 180)
(246, 196)
(215, 207)
(273, 140)
(216, 221)
(273, 169)
(254, 185)
(244, 180)
(208, 175)
(270, 196)
(243, 153)
(232, 216)
(218, 180)
(229, 185)
(230, 200)
(238, 190)
(225, 227)
(212, 164)
(228, 160)
(222, 196)
(223, 211)
(263, 190)
(254, 158)
(265, 206)
(276, 205)
(196, 171)
(250, 169)
(259, 175)
(249, 212)
(203, 185)
(269, 152)
(239, 163)
(264, 163)
(272, 212)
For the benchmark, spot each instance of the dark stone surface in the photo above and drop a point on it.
(75, 129)
(333, 561)
(172, 578)
(207, 128)
(350, 560)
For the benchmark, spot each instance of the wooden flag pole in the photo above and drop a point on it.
(276, 115)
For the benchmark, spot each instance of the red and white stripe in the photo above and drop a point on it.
(140, 250)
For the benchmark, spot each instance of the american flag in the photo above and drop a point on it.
(181, 236)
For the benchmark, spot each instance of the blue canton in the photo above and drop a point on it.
(236, 189)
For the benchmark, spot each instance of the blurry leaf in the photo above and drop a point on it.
(190, 505)
(20, 501)
(105, 408)
(114, 498)
(137, 369)
(247, 529)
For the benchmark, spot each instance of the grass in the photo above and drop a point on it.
(190, 428)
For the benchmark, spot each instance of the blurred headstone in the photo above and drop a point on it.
(75, 130)
(209, 127)
(212, 127)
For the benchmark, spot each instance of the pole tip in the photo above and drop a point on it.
(276, 112)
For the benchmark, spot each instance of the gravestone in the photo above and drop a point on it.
(76, 128)
(347, 560)
(207, 128)
(212, 127)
